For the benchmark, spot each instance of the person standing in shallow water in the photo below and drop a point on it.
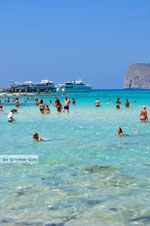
(144, 114)
(66, 105)
(97, 103)
(1, 108)
(118, 103)
(42, 107)
(17, 102)
(127, 104)
(58, 105)
(47, 110)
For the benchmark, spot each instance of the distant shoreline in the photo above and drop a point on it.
(11, 94)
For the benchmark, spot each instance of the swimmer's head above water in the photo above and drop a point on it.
(35, 136)
(119, 132)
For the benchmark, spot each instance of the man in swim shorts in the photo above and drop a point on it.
(66, 105)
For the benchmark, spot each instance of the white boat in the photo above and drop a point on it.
(74, 87)
(29, 86)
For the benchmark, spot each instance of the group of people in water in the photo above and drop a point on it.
(58, 105)
(44, 109)
(10, 116)
(143, 114)
(118, 103)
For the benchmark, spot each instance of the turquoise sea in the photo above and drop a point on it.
(86, 175)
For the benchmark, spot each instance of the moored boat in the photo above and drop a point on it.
(29, 86)
(74, 86)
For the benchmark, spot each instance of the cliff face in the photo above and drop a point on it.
(137, 76)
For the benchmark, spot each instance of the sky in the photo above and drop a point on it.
(94, 40)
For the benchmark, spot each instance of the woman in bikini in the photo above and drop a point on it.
(143, 114)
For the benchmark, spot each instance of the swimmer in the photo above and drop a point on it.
(10, 117)
(1, 108)
(73, 101)
(118, 103)
(36, 137)
(119, 132)
(127, 104)
(42, 106)
(58, 105)
(144, 114)
(47, 110)
(97, 103)
(66, 104)
(17, 102)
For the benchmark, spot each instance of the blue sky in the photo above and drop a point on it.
(67, 39)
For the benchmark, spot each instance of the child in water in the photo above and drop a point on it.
(17, 102)
(10, 116)
(47, 110)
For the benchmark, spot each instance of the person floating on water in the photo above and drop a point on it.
(118, 103)
(73, 101)
(97, 103)
(119, 132)
(144, 114)
(36, 137)
(10, 116)
(66, 104)
(127, 104)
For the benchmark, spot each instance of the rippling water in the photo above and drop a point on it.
(86, 175)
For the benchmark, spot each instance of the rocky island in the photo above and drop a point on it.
(137, 76)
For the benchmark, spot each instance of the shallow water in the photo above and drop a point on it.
(86, 175)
